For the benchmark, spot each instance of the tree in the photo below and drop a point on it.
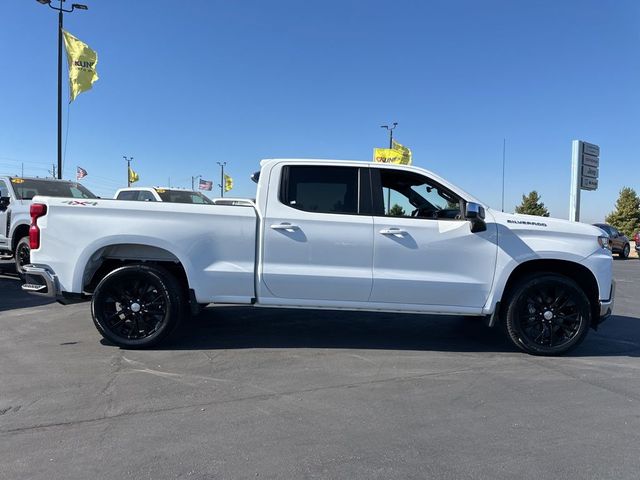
(626, 216)
(397, 211)
(531, 205)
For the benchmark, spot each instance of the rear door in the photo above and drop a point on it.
(424, 250)
(317, 234)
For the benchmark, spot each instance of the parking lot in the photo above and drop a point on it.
(314, 394)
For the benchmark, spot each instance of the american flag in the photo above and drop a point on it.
(205, 184)
(81, 173)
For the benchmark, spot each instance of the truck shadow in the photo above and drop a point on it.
(246, 327)
(12, 296)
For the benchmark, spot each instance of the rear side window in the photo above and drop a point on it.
(320, 189)
(146, 196)
(128, 195)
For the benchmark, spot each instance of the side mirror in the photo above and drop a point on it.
(4, 203)
(475, 213)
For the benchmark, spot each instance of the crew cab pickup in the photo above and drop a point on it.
(16, 194)
(324, 234)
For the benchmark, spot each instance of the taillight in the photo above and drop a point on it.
(636, 238)
(37, 210)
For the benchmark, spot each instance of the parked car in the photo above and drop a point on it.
(161, 194)
(619, 242)
(320, 236)
(636, 239)
(16, 194)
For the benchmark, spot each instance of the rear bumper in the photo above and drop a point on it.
(39, 280)
(606, 306)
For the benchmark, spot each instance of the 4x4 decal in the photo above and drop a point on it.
(80, 202)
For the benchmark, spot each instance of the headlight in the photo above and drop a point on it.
(603, 241)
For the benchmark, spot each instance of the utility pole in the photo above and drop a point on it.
(390, 129)
(193, 179)
(60, 11)
(53, 170)
(22, 170)
(128, 160)
(221, 177)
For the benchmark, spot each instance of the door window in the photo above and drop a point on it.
(128, 195)
(321, 189)
(4, 191)
(408, 194)
(146, 196)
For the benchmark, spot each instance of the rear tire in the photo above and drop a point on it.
(624, 253)
(547, 314)
(137, 306)
(22, 255)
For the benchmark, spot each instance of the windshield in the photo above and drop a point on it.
(27, 188)
(182, 196)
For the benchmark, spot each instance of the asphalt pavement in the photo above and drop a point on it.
(268, 393)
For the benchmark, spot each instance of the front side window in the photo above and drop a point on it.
(408, 194)
(4, 191)
(320, 189)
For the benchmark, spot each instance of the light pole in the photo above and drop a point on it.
(390, 130)
(222, 177)
(193, 179)
(60, 10)
(128, 160)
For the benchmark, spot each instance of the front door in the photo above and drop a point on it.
(317, 235)
(424, 250)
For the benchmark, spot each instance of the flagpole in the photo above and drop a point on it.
(75, 6)
(221, 177)
(60, 92)
(128, 160)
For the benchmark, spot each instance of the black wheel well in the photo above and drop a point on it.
(20, 232)
(576, 272)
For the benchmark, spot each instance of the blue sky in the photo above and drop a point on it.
(184, 85)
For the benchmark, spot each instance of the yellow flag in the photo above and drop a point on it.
(405, 151)
(387, 155)
(228, 183)
(82, 65)
(133, 176)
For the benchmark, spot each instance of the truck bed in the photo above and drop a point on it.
(215, 244)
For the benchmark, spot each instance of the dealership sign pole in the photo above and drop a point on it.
(585, 164)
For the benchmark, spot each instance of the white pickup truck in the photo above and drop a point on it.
(16, 194)
(324, 234)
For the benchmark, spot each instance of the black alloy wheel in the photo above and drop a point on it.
(22, 255)
(137, 306)
(548, 314)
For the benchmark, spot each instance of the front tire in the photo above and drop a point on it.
(22, 255)
(624, 253)
(137, 306)
(547, 314)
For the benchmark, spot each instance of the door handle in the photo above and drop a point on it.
(285, 226)
(398, 232)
